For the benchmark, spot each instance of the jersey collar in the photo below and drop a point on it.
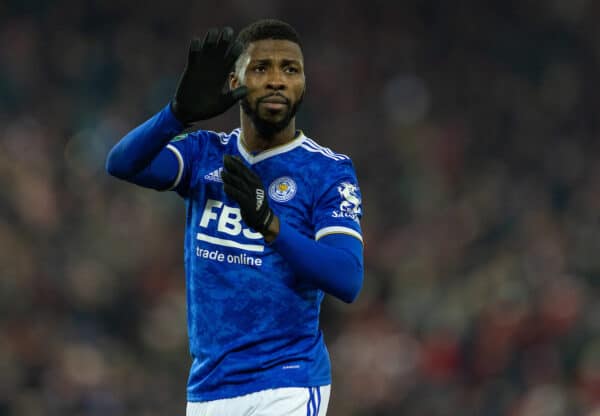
(277, 150)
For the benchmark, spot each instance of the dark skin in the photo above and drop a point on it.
(273, 72)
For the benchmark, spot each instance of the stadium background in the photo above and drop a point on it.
(474, 131)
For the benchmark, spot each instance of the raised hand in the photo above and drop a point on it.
(200, 93)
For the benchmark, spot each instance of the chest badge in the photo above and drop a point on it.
(282, 189)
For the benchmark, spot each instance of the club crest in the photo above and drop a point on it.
(282, 189)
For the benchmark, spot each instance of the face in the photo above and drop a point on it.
(273, 72)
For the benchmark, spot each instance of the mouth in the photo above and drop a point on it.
(273, 105)
(274, 102)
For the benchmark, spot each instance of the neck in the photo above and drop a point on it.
(254, 141)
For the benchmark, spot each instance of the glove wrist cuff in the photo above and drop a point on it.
(177, 113)
(267, 221)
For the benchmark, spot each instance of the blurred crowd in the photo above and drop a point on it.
(473, 127)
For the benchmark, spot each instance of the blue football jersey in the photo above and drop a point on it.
(252, 323)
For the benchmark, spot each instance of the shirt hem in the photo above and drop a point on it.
(254, 388)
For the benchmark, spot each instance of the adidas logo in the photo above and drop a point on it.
(260, 197)
(214, 176)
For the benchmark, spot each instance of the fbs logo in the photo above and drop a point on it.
(228, 224)
(260, 198)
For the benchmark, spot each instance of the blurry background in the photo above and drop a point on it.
(474, 130)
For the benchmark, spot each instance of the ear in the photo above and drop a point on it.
(234, 82)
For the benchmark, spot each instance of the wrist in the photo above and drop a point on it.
(169, 122)
(177, 114)
(272, 231)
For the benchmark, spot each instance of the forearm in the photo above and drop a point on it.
(140, 146)
(336, 269)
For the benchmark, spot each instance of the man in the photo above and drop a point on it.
(272, 223)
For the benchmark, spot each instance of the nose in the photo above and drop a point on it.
(276, 81)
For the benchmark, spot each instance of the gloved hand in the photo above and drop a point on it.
(200, 92)
(245, 187)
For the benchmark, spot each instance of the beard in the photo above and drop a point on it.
(267, 128)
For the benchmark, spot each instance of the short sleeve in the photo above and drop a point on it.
(338, 208)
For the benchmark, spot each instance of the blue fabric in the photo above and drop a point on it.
(253, 308)
(141, 157)
(333, 264)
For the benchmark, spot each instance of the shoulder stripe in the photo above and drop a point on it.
(337, 230)
(233, 135)
(317, 146)
(180, 171)
(324, 150)
(223, 137)
(313, 150)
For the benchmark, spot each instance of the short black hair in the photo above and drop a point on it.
(268, 29)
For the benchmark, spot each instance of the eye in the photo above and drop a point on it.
(292, 70)
(259, 68)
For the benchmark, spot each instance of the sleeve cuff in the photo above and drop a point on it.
(169, 119)
(338, 230)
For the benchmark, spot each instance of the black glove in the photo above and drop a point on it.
(200, 92)
(245, 187)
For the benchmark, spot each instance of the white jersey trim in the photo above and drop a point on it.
(337, 230)
(313, 150)
(224, 137)
(270, 152)
(229, 243)
(302, 141)
(180, 161)
(313, 146)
